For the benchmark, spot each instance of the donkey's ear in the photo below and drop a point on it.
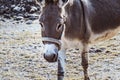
(40, 2)
(63, 2)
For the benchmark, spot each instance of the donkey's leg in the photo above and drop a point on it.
(84, 62)
(61, 64)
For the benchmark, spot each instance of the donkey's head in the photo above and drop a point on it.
(52, 24)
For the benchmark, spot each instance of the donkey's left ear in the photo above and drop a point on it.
(40, 2)
(63, 2)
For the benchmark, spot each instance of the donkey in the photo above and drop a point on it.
(76, 23)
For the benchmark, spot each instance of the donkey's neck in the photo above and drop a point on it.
(75, 25)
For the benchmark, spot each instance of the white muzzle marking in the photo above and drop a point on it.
(50, 49)
(50, 52)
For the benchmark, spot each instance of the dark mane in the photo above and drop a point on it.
(51, 1)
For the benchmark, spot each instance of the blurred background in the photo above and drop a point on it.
(19, 9)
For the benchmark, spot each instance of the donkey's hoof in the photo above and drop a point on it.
(87, 78)
(60, 78)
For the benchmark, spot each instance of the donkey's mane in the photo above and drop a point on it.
(51, 1)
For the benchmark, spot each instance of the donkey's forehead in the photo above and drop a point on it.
(50, 11)
(51, 8)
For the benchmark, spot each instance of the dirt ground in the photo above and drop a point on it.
(21, 56)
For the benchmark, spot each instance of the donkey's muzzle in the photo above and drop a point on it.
(50, 52)
(53, 57)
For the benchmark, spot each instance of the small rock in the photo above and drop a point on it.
(18, 18)
(17, 8)
(13, 47)
(22, 47)
(17, 22)
(20, 14)
(2, 20)
(26, 15)
(30, 0)
(12, 6)
(92, 50)
(5, 69)
(33, 9)
(107, 70)
(30, 60)
(77, 49)
(3, 9)
(103, 49)
(115, 54)
(29, 22)
(39, 46)
(98, 50)
(21, 54)
(27, 56)
(33, 18)
(28, 8)
(35, 47)
(30, 45)
(7, 16)
(108, 52)
(114, 49)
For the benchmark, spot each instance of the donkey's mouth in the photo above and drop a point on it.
(51, 58)
(51, 52)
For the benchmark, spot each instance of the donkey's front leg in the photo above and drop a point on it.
(61, 64)
(84, 56)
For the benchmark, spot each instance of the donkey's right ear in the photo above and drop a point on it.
(40, 2)
(63, 2)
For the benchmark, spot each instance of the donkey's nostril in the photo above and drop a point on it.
(59, 27)
(54, 55)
